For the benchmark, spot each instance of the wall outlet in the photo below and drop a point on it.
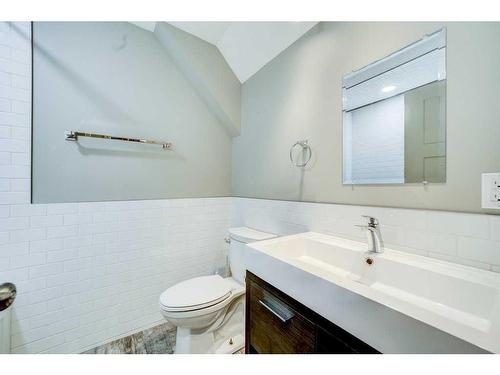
(490, 190)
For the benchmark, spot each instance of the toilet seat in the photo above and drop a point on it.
(195, 294)
(237, 290)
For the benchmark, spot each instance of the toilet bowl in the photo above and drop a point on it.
(209, 311)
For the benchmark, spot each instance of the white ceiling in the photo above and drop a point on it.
(247, 46)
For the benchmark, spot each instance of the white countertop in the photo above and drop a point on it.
(402, 303)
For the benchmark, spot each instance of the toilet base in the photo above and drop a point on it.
(205, 344)
(187, 343)
(225, 340)
(231, 345)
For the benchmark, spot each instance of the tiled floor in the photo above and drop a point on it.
(157, 340)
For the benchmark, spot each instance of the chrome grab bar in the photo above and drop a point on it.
(74, 135)
(7, 295)
(272, 310)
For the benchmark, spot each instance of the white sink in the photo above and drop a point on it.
(460, 300)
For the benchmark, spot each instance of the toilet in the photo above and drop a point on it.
(209, 311)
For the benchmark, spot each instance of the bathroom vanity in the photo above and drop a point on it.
(312, 292)
(276, 323)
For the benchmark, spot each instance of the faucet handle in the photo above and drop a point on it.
(372, 221)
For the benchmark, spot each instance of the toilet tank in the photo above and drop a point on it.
(237, 249)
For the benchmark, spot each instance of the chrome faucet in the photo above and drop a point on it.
(375, 243)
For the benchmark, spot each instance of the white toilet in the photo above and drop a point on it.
(209, 311)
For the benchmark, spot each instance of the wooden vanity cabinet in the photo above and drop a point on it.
(276, 323)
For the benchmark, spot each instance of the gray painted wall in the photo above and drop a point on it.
(208, 72)
(116, 78)
(298, 96)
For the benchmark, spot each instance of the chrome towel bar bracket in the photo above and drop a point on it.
(74, 135)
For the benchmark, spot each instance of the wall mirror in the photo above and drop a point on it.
(119, 85)
(394, 117)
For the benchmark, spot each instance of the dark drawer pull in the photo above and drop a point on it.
(283, 316)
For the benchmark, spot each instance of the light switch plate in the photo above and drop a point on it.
(490, 190)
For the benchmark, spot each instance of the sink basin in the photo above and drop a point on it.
(459, 300)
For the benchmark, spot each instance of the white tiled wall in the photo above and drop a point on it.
(374, 140)
(15, 108)
(469, 239)
(87, 272)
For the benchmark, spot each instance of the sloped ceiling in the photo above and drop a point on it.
(207, 71)
(217, 57)
(246, 46)
(211, 32)
(146, 25)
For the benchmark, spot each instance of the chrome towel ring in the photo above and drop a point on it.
(305, 148)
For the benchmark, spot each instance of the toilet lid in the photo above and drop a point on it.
(246, 235)
(196, 293)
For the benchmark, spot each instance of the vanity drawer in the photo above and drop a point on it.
(277, 323)
(274, 326)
